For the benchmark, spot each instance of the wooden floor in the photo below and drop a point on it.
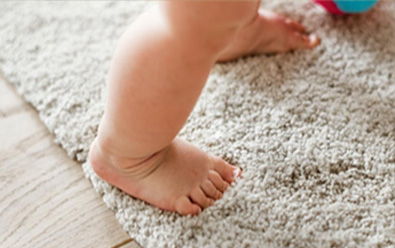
(45, 200)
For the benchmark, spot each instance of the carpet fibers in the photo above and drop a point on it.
(314, 130)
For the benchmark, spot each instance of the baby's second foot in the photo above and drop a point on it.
(179, 178)
(269, 33)
(281, 34)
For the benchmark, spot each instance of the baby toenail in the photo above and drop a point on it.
(236, 172)
(313, 38)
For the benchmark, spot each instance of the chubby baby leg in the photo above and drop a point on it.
(158, 71)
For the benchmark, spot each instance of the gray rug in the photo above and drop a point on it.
(314, 131)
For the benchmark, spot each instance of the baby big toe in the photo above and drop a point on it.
(300, 41)
(224, 169)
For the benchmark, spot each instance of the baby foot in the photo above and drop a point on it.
(280, 34)
(269, 33)
(179, 178)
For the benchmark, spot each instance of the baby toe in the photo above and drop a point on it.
(197, 195)
(224, 169)
(301, 41)
(313, 40)
(184, 206)
(295, 25)
(210, 190)
(217, 181)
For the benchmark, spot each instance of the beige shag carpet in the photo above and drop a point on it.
(314, 131)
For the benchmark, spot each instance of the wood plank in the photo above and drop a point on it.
(45, 200)
(9, 102)
(130, 244)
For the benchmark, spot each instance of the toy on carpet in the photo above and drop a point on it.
(341, 7)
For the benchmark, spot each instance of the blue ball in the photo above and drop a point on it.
(355, 6)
